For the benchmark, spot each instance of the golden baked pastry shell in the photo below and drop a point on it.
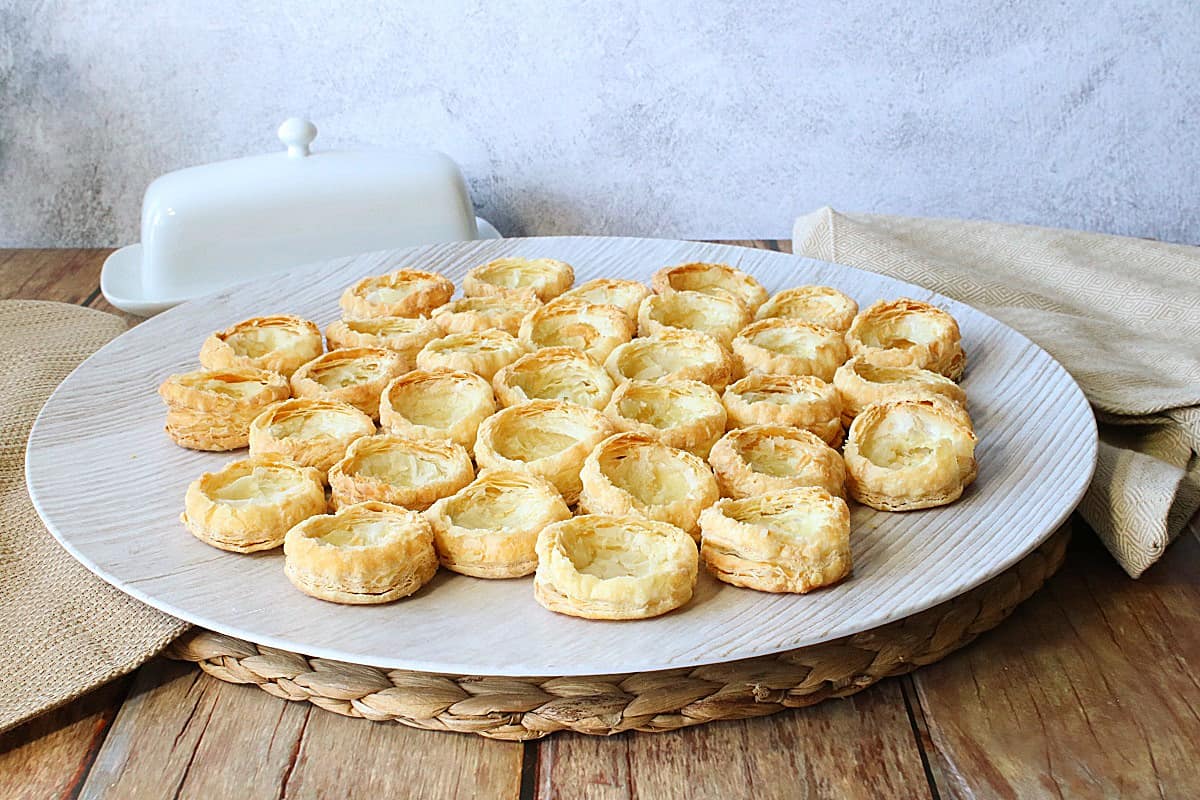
(402, 293)
(904, 333)
(402, 471)
(760, 459)
(437, 404)
(543, 278)
(710, 279)
(554, 373)
(279, 343)
(311, 432)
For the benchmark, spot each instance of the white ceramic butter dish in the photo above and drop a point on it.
(208, 227)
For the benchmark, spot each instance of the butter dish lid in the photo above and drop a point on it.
(207, 227)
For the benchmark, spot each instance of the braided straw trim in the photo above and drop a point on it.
(529, 708)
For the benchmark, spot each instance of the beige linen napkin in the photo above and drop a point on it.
(1122, 315)
(63, 631)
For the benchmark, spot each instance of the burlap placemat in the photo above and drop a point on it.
(63, 631)
(1122, 315)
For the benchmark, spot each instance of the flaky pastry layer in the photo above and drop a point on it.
(403, 335)
(554, 373)
(784, 346)
(820, 305)
(280, 343)
(721, 316)
(354, 375)
(759, 459)
(544, 278)
(798, 400)
(481, 352)
(474, 314)
(710, 279)
(402, 471)
(624, 294)
(402, 293)
(311, 432)
(861, 382)
(688, 415)
(437, 404)
(908, 333)
(592, 328)
(673, 354)
(212, 409)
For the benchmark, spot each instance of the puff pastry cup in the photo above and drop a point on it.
(903, 455)
(801, 401)
(783, 346)
(624, 294)
(543, 278)
(489, 528)
(631, 473)
(412, 473)
(474, 314)
(721, 316)
(212, 409)
(673, 354)
(481, 352)
(598, 566)
(554, 373)
(591, 327)
(309, 432)
(759, 459)
(364, 554)
(403, 293)
(794, 540)
(436, 404)
(547, 438)
(403, 335)
(687, 415)
(908, 333)
(862, 382)
(354, 375)
(279, 343)
(719, 279)
(249, 505)
(820, 305)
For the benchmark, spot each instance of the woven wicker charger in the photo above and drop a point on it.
(529, 708)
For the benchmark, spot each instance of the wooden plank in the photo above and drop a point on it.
(1089, 690)
(185, 734)
(70, 276)
(49, 757)
(859, 747)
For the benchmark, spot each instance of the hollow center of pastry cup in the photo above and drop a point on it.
(401, 467)
(513, 274)
(650, 359)
(229, 386)
(316, 423)
(567, 380)
(796, 523)
(260, 485)
(484, 342)
(395, 292)
(383, 326)
(491, 507)
(787, 340)
(877, 374)
(694, 310)
(434, 404)
(612, 552)
(904, 439)
(663, 409)
(340, 374)
(774, 455)
(257, 342)
(576, 330)
(652, 474)
(532, 438)
(358, 532)
(789, 396)
(904, 331)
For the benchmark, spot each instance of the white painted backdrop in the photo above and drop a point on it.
(692, 118)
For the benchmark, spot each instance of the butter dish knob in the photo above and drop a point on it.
(297, 134)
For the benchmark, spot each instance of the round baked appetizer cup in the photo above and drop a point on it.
(354, 375)
(624, 294)
(249, 505)
(794, 540)
(820, 305)
(687, 415)
(674, 354)
(631, 473)
(489, 528)
(547, 438)
(554, 373)
(364, 554)
(861, 382)
(801, 401)
(403, 335)
(903, 455)
(401, 471)
(543, 278)
(908, 333)
(720, 279)
(759, 459)
(436, 404)
(279, 343)
(721, 316)
(309, 432)
(474, 314)
(481, 352)
(403, 293)
(783, 346)
(598, 566)
(594, 328)
(211, 409)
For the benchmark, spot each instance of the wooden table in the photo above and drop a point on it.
(1091, 689)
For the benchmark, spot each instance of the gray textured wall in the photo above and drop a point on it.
(703, 118)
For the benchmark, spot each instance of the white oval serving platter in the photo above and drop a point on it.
(110, 484)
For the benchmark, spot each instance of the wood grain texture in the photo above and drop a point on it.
(861, 747)
(1036, 446)
(1089, 690)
